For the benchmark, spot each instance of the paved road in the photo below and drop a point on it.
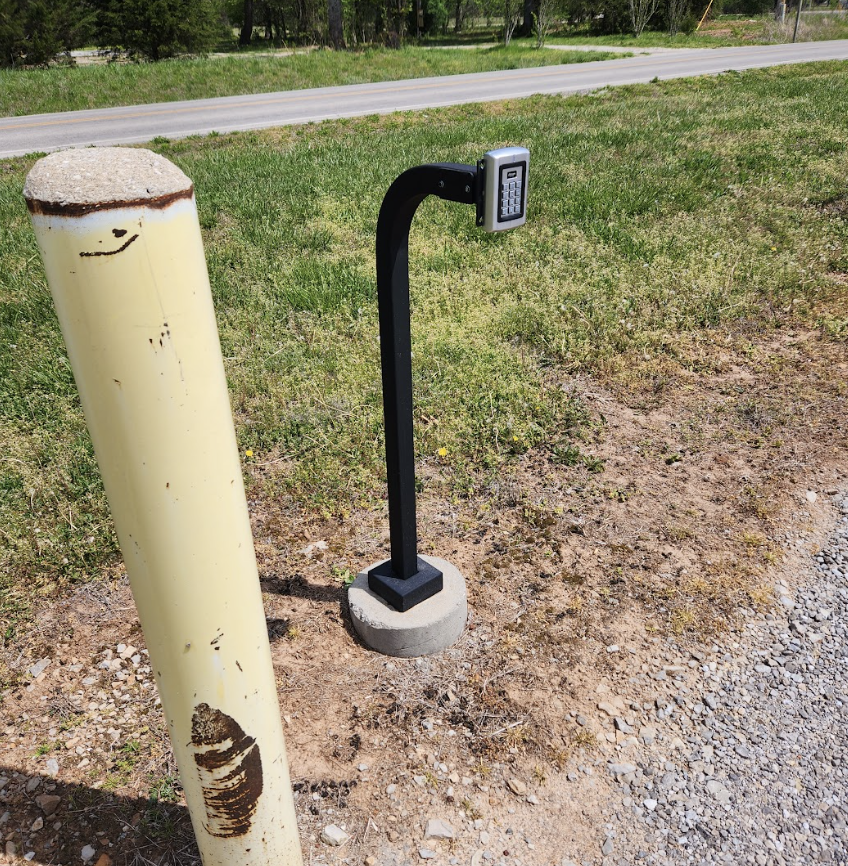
(109, 126)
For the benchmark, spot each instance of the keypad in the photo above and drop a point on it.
(511, 188)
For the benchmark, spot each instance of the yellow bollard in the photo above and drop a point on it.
(121, 245)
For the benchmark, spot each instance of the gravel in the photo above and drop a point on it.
(750, 762)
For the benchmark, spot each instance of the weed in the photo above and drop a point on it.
(165, 790)
(585, 739)
(516, 736)
(343, 575)
(682, 620)
(762, 597)
(482, 769)
(470, 808)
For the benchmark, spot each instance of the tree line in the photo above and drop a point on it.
(38, 32)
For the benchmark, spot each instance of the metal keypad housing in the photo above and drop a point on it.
(505, 195)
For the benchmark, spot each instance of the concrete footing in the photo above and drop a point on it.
(429, 627)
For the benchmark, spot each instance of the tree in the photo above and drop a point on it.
(34, 32)
(246, 32)
(676, 13)
(511, 15)
(335, 23)
(155, 29)
(641, 12)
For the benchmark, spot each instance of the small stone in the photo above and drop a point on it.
(390, 789)
(621, 725)
(648, 734)
(37, 824)
(48, 803)
(426, 854)
(517, 787)
(718, 791)
(52, 767)
(650, 805)
(608, 708)
(363, 768)
(812, 496)
(32, 784)
(87, 853)
(11, 849)
(39, 667)
(533, 800)
(606, 848)
(439, 829)
(485, 837)
(619, 770)
(104, 860)
(333, 835)
(613, 648)
(371, 860)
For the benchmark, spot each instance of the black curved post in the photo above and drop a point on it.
(405, 580)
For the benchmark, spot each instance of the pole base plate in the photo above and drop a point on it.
(405, 594)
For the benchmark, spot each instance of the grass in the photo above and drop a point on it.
(39, 91)
(724, 31)
(655, 211)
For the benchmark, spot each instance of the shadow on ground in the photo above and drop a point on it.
(54, 821)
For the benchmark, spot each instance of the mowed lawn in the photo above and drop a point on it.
(38, 91)
(655, 211)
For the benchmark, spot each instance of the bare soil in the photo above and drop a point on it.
(585, 588)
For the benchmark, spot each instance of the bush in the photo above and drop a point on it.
(156, 29)
(34, 32)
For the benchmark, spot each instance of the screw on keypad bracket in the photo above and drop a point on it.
(480, 191)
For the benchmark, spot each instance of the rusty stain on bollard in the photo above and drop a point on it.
(76, 209)
(118, 233)
(230, 768)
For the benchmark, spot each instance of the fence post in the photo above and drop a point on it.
(120, 240)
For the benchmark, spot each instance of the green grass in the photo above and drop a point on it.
(655, 211)
(39, 91)
(724, 31)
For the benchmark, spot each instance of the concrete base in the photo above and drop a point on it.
(429, 627)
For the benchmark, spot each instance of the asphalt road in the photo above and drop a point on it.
(109, 126)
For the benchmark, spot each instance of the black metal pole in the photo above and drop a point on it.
(405, 580)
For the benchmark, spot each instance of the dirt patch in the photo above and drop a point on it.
(837, 206)
(595, 585)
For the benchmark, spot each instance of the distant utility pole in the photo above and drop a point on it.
(797, 20)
